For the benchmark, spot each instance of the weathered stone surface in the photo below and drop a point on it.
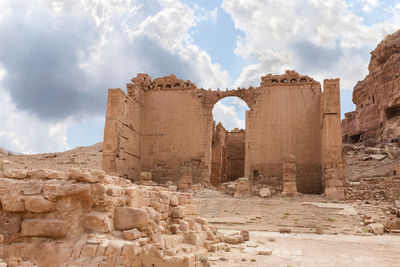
(9, 225)
(44, 227)
(128, 218)
(230, 189)
(52, 191)
(12, 203)
(265, 192)
(377, 97)
(39, 204)
(245, 234)
(243, 189)
(376, 228)
(86, 176)
(97, 222)
(131, 234)
(33, 187)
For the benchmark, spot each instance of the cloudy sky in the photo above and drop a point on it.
(57, 58)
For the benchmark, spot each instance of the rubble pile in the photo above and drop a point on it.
(77, 217)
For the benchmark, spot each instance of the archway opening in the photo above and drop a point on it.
(228, 140)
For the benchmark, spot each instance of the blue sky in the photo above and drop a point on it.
(57, 58)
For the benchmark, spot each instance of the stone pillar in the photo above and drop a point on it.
(185, 183)
(289, 187)
(332, 162)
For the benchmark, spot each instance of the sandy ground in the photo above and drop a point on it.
(344, 242)
(80, 157)
(301, 215)
(311, 250)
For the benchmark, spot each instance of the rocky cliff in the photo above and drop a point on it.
(377, 97)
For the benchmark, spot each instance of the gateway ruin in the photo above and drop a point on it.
(165, 126)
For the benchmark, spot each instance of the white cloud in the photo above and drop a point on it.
(22, 132)
(320, 38)
(112, 41)
(227, 115)
(369, 5)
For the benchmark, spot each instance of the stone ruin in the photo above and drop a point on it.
(165, 125)
(86, 218)
(377, 97)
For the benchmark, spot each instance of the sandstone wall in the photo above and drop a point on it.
(235, 154)
(165, 124)
(332, 160)
(377, 97)
(122, 133)
(286, 120)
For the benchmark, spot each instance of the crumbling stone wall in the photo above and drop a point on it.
(85, 218)
(377, 97)
(176, 130)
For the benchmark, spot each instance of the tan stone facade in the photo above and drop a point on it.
(165, 124)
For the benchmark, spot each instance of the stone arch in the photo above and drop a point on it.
(210, 98)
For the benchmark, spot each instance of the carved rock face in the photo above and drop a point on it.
(377, 97)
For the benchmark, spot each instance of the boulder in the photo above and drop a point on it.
(376, 228)
(230, 189)
(44, 227)
(126, 218)
(131, 234)
(245, 234)
(243, 189)
(265, 192)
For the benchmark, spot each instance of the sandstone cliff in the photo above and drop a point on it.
(377, 97)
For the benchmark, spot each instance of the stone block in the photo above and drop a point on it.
(97, 222)
(33, 188)
(126, 218)
(171, 241)
(376, 228)
(178, 212)
(230, 189)
(85, 176)
(52, 191)
(12, 203)
(334, 192)
(10, 225)
(265, 192)
(44, 227)
(197, 239)
(245, 234)
(131, 234)
(190, 210)
(39, 204)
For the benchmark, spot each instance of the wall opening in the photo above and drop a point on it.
(392, 112)
(228, 140)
